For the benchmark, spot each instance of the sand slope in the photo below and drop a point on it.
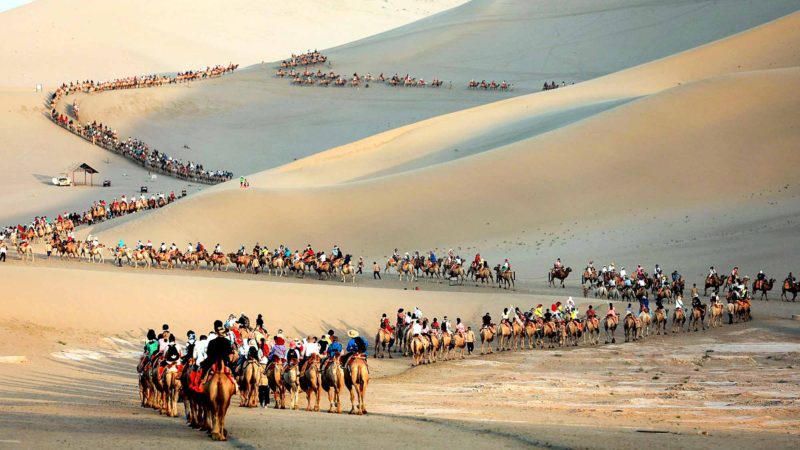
(241, 123)
(685, 118)
(49, 41)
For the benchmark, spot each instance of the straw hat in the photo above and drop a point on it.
(352, 333)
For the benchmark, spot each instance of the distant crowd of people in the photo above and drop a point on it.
(132, 148)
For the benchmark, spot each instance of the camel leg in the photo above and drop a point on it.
(352, 400)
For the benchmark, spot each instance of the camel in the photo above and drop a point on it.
(391, 263)
(333, 383)
(573, 330)
(717, 310)
(714, 282)
(419, 348)
(484, 275)
(505, 278)
(646, 320)
(531, 331)
(431, 270)
(504, 337)
(664, 293)
(384, 341)
(348, 271)
(763, 286)
(252, 372)
(172, 388)
(356, 379)
(678, 320)
(458, 345)
(311, 381)
(407, 269)
(790, 287)
(517, 335)
(275, 378)
(601, 292)
(400, 336)
(433, 347)
(660, 320)
(487, 336)
(558, 274)
(631, 330)
(25, 251)
(134, 256)
(592, 331)
(550, 332)
(445, 345)
(278, 265)
(610, 325)
(96, 254)
(698, 316)
(218, 390)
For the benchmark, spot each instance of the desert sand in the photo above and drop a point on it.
(676, 145)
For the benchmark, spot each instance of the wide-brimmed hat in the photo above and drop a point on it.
(352, 333)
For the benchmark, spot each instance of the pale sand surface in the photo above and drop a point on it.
(686, 161)
(703, 389)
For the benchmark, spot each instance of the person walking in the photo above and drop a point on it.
(376, 271)
(470, 341)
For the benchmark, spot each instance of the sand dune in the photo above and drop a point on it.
(650, 148)
(49, 41)
(524, 42)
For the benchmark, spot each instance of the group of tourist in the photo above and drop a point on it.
(308, 58)
(132, 148)
(491, 85)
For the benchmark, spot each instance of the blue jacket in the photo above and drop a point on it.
(353, 347)
(334, 348)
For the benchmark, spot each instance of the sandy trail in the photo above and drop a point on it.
(701, 388)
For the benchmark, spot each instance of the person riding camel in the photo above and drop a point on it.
(384, 325)
(401, 317)
(506, 266)
(659, 304)
(356, 345)
(219, 349)
(504, 318)
(735, 274)
(336, 253)
(241, 251)
(558, 265)
(761, 276)
(188, 351)
(460, 328)
(570, 304)
(611, 311)
(435, 326)
(696, 303)
(657, 271)
(590, 313)
(679, 303)
(396, 255)
(218, 250)
(432, 258)
(151, 346)
(477, 260)
(292, 355)
(446, 326)
(310, 348)
(590, 266)
(309, 253)
(487, 321)
(278, 351)
(639, 272)
(162, 248)
(189, 249)
(712, 272)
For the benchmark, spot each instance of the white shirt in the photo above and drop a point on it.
(623, 273)
(418, 313)
(416, 328)
(310, 348)
(407, 319)
(200, 351)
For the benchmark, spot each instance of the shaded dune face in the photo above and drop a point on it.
(673, 116)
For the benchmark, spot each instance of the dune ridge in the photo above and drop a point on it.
(685, 116)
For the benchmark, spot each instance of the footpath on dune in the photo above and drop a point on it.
(690, 128)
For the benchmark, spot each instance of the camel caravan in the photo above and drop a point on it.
(561, 325)
(134, 149)
(237, 358)
(489, 86)
(414, 267)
